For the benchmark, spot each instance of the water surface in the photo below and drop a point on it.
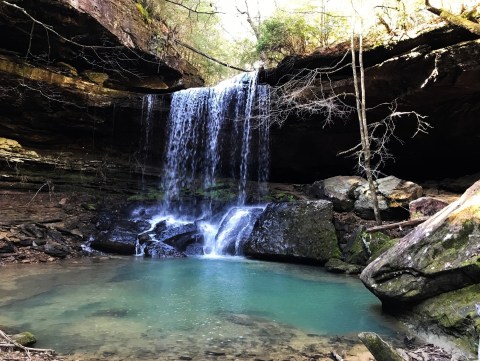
(134, 308)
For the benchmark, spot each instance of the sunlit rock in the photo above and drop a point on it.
(440, 255)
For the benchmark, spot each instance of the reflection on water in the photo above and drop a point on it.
(145, 309)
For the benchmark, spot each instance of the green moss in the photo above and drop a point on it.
(449, 247)
(89, 206)
(377, 243)
(24, 338)
(145, 15)
(356, 253)
(150, 195)
(381, 350)
(454, 313)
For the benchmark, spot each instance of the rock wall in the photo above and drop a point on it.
(73, 82)
(436, 75)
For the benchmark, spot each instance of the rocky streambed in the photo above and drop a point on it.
(44, 224)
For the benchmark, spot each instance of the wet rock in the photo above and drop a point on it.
(26, 242)
(195, 249)
(235, 229)
(301, 231)
(6, 247)
(425, 206)
(160, 227)
(380, 349)
(336, 265)
(56, 250)
(24, 338)
(162, 250)
(122, 239)
(440, 255)
(32, 230)
(39, 242)
(181, 237)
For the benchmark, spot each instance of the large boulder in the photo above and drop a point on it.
(394, 196)
(452, 313)
(425, 206)
(339, 190)
(181, 236)
(298, 231)
(440, 255)
(120, 239)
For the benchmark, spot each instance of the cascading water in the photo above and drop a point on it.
(216, 132)
(148, 103)
(206, 123)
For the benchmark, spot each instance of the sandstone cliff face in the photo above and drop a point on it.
(74, 75)
(437, 75)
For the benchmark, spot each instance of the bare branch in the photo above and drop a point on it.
(189, 47)
(192, 10)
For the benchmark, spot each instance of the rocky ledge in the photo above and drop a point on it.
(434, 271)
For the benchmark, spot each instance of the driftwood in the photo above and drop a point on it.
(12, 344)
(408, 223)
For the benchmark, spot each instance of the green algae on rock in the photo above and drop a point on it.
(299, 230)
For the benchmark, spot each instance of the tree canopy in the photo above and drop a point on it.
(307, 26)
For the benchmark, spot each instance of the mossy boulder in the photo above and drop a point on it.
(335, 265)
(452, 313)
(381, 350)
(367, 246)
(440, 255)
(296, 231)
(24, 338)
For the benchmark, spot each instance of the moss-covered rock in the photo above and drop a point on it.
(336, 265)
(452, 313)
(24, 338)
(368, 246)
(380, 349)
(299, 231)
(440, 255)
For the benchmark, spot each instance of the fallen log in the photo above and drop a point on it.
(408, 223)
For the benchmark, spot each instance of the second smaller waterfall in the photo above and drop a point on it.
(235, 227)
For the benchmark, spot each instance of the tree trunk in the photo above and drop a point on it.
(457, 20)
(362, 121)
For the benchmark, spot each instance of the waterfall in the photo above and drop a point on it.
(146, 124)
(217, 141)
(235, 227)
(206, 124)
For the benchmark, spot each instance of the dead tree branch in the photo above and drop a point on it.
(191, 48)
(193, 10)
(457, 20)
(408, 223)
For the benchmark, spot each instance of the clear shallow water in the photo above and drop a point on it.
(136, 308)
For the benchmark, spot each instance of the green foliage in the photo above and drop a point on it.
(284, 35)
(299, 32)
(195, 23)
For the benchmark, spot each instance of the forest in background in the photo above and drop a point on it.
(203, 31)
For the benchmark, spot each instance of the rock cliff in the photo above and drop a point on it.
(436, 75)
